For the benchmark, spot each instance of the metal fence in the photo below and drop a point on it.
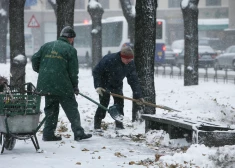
(226, 75)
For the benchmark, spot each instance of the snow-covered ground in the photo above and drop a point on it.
(131, 147)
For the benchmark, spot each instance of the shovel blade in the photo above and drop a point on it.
(115, 114)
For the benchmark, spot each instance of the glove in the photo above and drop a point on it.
(76, 90)
(140, 101)
(99, 90)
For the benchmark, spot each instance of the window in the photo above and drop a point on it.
(79, 4)
(112, 34)
(213, 2)
(174, 3)
(104, 3)
(159, 30)
(83, 36)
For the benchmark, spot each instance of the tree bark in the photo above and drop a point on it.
(17, 42)
(65, 14)
(190, 16)
(145, 26)
(96, 32)
(130, 17)
(3, 30)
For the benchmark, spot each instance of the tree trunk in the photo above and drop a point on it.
(17, 42)
(145, 26)
(65, 14)
(3, 30)
(190, 16)
(130, 17)
(96, 33)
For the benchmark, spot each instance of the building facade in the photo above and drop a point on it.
(170, 10)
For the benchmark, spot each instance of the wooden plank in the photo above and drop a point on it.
(200, 132)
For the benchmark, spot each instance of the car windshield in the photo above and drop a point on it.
(168, 48)
(204, 49)
(230, 49)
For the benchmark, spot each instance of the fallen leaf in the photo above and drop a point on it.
(118, 154)
(78, 163)
(85, 149)
(131, 163)
(67, 135)
(157, 157)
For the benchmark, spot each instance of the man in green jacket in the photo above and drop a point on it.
(57, 65)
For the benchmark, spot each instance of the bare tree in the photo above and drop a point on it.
(4, 15)
(190, 15)
(65, 14)
(96, 11)
(145, 26)
(17, 42)
(130, 17)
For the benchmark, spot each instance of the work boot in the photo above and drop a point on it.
(84, 136)
(53, 138)
(119, 125)
(97, 123)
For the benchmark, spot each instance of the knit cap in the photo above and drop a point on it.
(127, 52)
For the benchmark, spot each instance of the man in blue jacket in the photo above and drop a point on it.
(108, 74)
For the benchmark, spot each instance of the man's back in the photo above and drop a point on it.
(57, 65)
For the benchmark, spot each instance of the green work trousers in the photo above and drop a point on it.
(70, 107)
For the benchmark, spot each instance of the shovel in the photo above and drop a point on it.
(113, 110)
(146, 103)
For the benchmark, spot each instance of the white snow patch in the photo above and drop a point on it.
(184, 3)
(3, 12)
(94, 4)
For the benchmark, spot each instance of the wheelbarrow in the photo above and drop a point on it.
(19, 116)
(112, 110)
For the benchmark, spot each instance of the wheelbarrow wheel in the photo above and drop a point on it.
(9, 142)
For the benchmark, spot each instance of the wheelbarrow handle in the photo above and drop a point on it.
(146, 103)
(42, 122)
(8, 90)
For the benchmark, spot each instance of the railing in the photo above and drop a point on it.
(206, 73)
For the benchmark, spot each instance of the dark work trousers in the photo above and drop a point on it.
(104, 100)
(70, 107)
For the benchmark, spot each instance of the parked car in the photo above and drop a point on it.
(226, 59)
(177, 46)
(170, 56)
(206, 56)
(215, 43)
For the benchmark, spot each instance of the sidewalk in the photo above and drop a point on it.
(95, 152)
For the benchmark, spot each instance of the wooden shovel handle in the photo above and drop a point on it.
(146, 103)
(134, 100)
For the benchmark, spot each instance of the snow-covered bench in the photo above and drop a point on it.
(199, 132)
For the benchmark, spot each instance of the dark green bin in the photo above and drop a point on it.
(19, 113)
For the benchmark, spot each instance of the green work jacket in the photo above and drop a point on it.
(57, 65)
